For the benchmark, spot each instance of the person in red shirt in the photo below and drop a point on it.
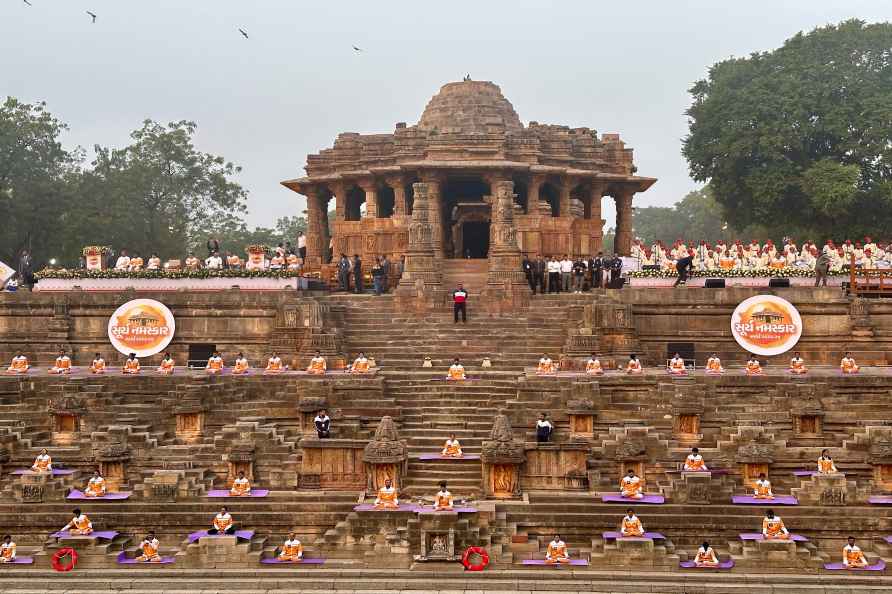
(459, 303)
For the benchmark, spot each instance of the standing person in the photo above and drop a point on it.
(543, 428)
(597, 269)
(343, 273)
(378, 276)
(554, 275)
(566, 273)
(527, 268)
(460, 304)
(822, 267)
(616, 269)
(301, 245)
(683, 267)
(213, 245)
(540, 268)
(385, 266)
(579, 270)
(357, 275)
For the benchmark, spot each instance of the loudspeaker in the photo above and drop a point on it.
(779, 283)
(715, 283)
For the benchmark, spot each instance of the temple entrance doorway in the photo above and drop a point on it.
(475, 239)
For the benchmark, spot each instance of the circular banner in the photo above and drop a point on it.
(766, 325)
(141, 326)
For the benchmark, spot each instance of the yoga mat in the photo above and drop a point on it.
(722, 565)
(442, 457)
(56, 472)
(542, 562)
(404, 507)
(123, 559)
(878, 566)
(103, 534)
(19, 561)
(613, 535)
(456, 509)
(304, 561)
(758, 536)
(778, 500)
(880, 500)
(888, 539)
(239, 534)
(75, 494)
(617, 498)
(714, 471)
(225, 493)
(802, 473)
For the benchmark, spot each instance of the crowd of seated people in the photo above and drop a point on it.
(282, 257)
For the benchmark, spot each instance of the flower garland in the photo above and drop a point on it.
(96, 250)
(734, 273)
(62, 273)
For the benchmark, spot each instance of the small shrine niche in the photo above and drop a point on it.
(881, 460)
(309, 407)
(385, 457)
(687, 411)
(112, 460)
(754, 459)
(808, 417)
(438, 536)
(501, 458)
(631, 455)
(240, 459)
(190, 421)
(67, 413)
(581, 414)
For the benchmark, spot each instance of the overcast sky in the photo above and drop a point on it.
(267, 101)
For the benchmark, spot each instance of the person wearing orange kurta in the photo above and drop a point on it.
(773, 527)
(753, 367)
(593, 366)
(452, 448)
(317, 364)
(223, 523)
(632, 486)
(387, 496)
(149, 547)
(676, 365)
(762, 488)
(131, 365)
(825, 463)
(694, 462)
(292, 262)
(167, 365)
(191, 262)
(96, 486)
(797, 365)
(62, 365)
(848, 365)
(98, 364)
(19, 364)
(292, 550)
(233, 261)
(714, 365)
(241, 486)
(631, 525)
(546, 366)
(241, 365)
(443, 498)
(7, 550)
(456, 371)
(634, 365)
(556, 551)
(852, 555)
(80, 524)
(215, 364)
(43, 462)
(274, 364)
(360, 364)
(277, 262)
(154, 262)
(706, 556)
(136, 263)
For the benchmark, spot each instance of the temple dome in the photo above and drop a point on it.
(470, 107)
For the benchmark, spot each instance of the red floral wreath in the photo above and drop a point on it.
(466, 559)
(70, 553)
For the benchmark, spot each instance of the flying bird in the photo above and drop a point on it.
(28, 3)
(357, 49)
(242, 31)
(92, 15)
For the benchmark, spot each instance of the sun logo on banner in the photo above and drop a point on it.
(141, 326)
(766, 325)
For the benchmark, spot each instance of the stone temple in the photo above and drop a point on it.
(468, 142)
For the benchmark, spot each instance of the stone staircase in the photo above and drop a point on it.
(470, 272)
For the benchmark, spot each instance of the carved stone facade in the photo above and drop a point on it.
(386, 457)
(502, 457)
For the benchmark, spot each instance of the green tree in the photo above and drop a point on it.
(798, 138)
(698, 216)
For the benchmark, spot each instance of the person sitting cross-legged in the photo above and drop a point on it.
(797, 365)
(632, 486)
(676, 365)
(360, 364)
(131, 365)
(593, 366)
(215, 364)
(848, 365)
(852, 555)
(773, 527)
(631, 526)
(753, 367)
(7, 550)
(706, 556)
(98, 365)
(19, 365)
(43, 462)
(241, 486)
(762, 488)
(714, 365)
(150, 549)
(62, 364)
(443, 498)
(292, 550)
(633, 367)
(317, 364)
(546, 366)
(96, 486)
(556, 551)
(387, 496)
(452, 448)
(694, 462)
(223, 523)
(80, 524)
(456, 371)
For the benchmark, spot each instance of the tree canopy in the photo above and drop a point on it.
(798, 139)
(698, 216)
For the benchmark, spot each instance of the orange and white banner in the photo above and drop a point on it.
(766, 325)
(142, 326)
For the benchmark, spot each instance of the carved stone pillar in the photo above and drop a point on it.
(536, 182)
(502, 458)
(506, 287)
(421, 272)
(435, 215)
(371, 198)
(317, 231)
(385, 457)
(567, 184)
(623, 240)
(399, 196)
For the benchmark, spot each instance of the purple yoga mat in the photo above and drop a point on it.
(404, 507)
(75, 494)
(880, 500)
(878, 566)
(802, 473)
(542, 562)
(613, 535)
(888, 539)
(304, 561)
(455, 509)
(19, 561)
(617, 498)
(103, 534)
(758, 536)
(712, 471)
(123, 559)
(722, 565)
(778, 500)
(239, 534)
(441, 457)
(56, 472)
(225, 493)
